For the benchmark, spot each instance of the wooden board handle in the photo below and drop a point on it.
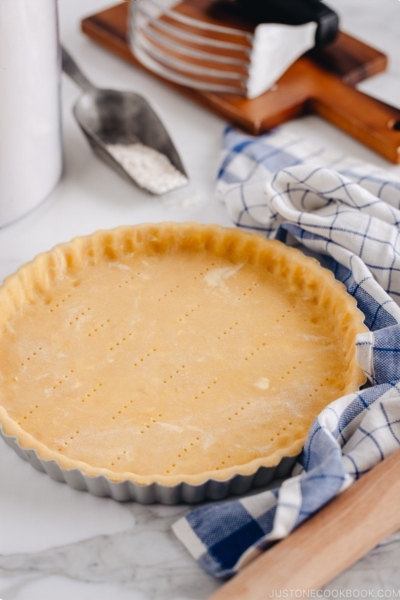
(373, 123)
(328, 543)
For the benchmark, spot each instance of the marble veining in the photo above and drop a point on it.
(146, 559)
(59, 543)
(148, 562)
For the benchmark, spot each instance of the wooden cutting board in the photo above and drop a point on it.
(320, 82)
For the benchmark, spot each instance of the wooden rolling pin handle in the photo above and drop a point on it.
(341, 533)
(370, 121)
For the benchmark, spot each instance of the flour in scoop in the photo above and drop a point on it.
(151, 169)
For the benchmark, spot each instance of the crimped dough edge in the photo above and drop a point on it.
(37, 276)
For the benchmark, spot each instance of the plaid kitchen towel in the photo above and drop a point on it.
(349, 213)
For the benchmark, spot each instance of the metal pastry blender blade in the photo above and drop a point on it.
(234, 46)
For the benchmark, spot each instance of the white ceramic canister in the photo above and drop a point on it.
(30, 116)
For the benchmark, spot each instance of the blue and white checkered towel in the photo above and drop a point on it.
(349, 213)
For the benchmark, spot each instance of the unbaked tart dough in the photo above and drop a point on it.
(172, 352)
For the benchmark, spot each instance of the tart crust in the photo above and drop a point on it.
(172, 352)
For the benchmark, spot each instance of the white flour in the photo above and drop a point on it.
(151, 169)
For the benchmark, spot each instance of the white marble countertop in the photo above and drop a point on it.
(59, 543)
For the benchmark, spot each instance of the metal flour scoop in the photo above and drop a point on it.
(125, 132)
